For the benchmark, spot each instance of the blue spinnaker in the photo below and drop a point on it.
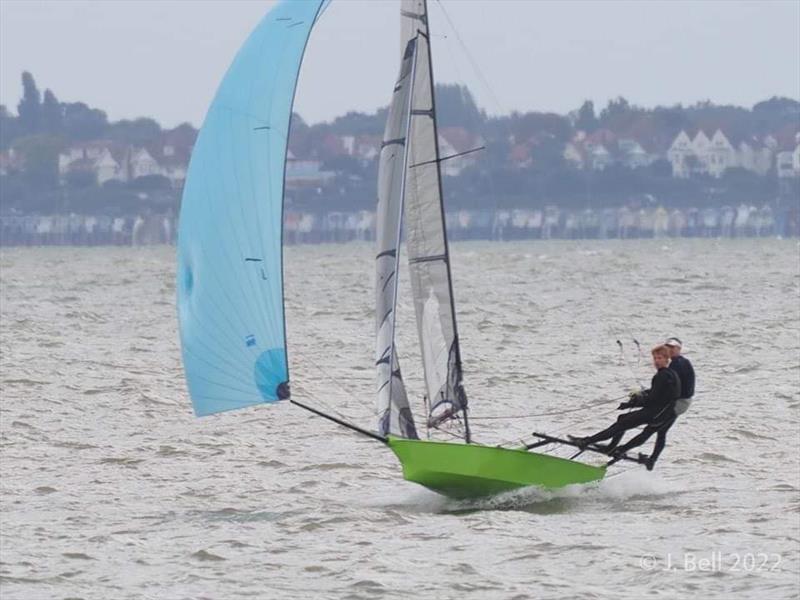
(230, 276)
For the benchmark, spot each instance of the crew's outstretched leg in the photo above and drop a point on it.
(615, 431)
(608, 448)
(661, 441)
(637, 440)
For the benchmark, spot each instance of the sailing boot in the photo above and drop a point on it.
(616, 455)
(581, 442)
(607, 448)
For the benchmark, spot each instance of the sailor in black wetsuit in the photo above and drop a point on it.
(681, 365)
(656, 408)
(683, 368)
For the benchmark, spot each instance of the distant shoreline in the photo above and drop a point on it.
(625, 222)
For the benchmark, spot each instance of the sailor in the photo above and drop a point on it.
(681, 365)
(683, 368)
(655, 408)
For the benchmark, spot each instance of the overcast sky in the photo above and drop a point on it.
(165, 59)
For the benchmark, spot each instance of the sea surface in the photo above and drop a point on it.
(112, 489)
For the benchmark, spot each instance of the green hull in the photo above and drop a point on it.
(470, 470)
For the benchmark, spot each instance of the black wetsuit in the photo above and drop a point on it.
(656, 411)
(685, 372)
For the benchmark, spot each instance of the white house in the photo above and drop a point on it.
(110, 161)
(632, 154)
(599, 157)
(142, 164)
(719, 153)
(9, 161)
(106, 167)
(448, 167)
(349, 144)
(787, 163)
(174, 162)
(102, 158)
(701, 143)
(454, 141)
(176, 173)
(602, 149)
(679, 154)
(363, 147)
(573, 155)
(755, 156)
(703, 154)
(306, 173)
(796, 160)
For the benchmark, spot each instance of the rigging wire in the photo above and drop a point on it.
(470, 58)
(627, 364)
(549, 414)
(308, 393)
(569, 425)
(330, 378)
(450, 433)
(483, 120)
(586, 420)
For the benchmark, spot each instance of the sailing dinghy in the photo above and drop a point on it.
(230, 262)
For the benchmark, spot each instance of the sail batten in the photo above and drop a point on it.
(230, 271)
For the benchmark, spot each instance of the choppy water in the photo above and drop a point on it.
(112, 489)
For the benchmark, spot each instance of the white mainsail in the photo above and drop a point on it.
(426, 238)
(393, 410)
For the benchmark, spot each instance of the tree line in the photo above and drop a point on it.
(43, 127)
